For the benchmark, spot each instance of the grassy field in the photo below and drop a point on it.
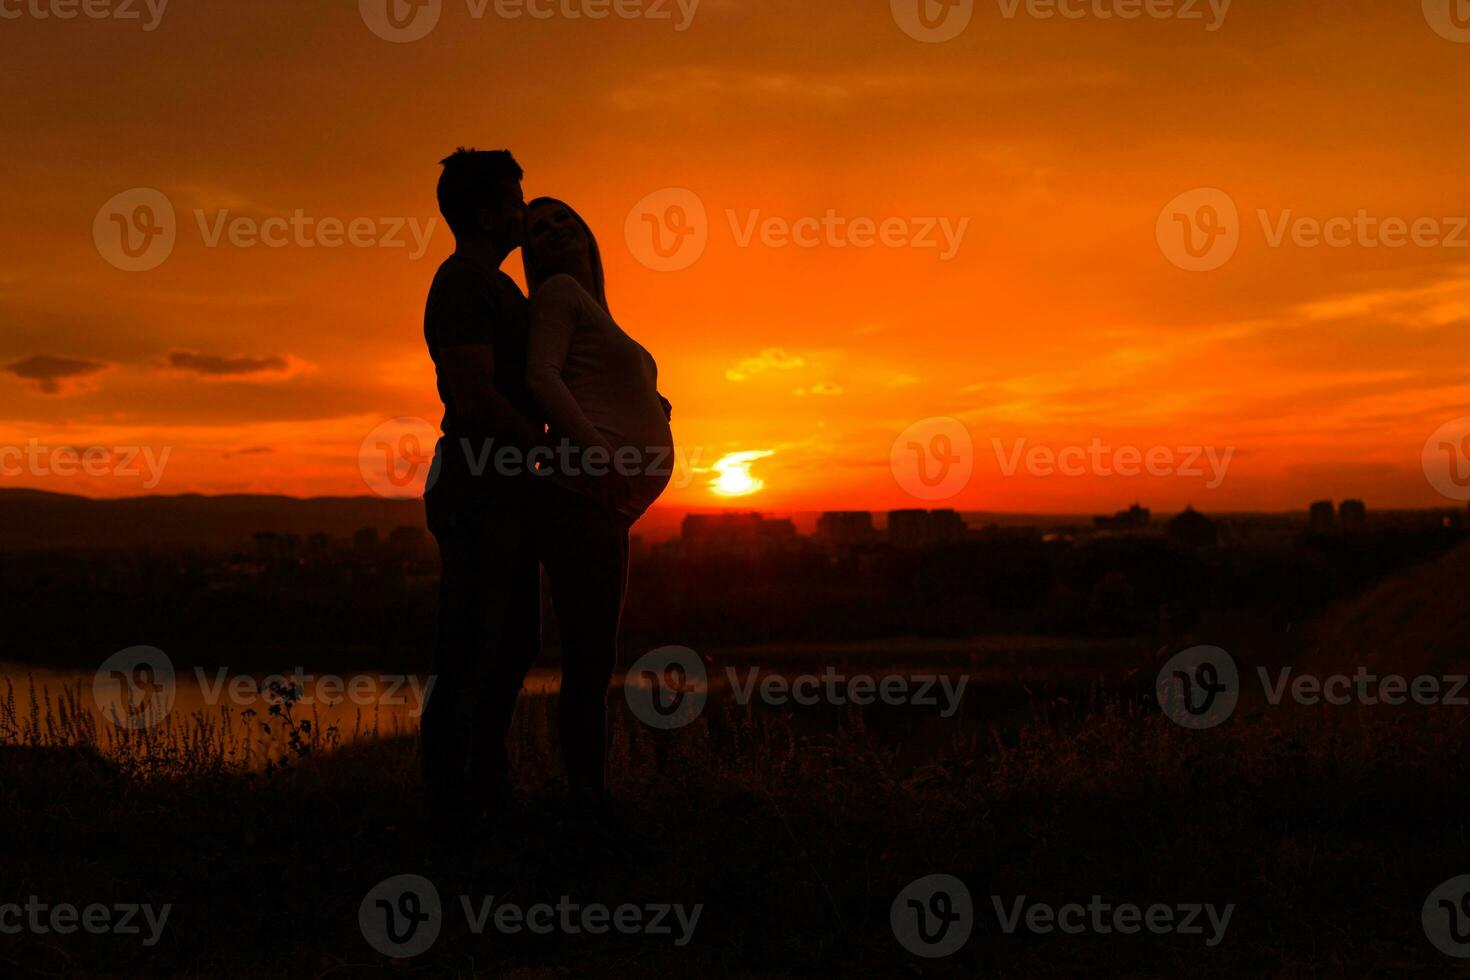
(1325, 828)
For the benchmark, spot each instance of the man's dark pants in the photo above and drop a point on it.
(489, 633)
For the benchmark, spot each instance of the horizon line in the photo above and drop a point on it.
(12, 492)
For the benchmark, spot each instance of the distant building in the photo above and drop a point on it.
(845, 528)
(735, 536)
(1192, 529)
(365, 541)
(782, 530)
(1023, 532)
(947, 527)
(1352, 515)
(270, 546)
(1323, 519)
(409, 542)
(1135, 518)
(925, 528)
(318, 546)
(907, 528)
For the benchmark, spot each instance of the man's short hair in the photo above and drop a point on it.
(468, 184)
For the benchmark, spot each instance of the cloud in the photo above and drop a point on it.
(699, 88)
(902, 381)
(235, 366)
(820, 388)
(1438, 304)
(771, 358)
(55, 375)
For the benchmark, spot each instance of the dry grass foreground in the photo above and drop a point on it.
(1327, 828)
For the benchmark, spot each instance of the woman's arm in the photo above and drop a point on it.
(555, 313)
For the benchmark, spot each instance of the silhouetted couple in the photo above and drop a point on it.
(555, 441)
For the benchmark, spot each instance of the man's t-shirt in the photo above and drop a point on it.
(469, 305)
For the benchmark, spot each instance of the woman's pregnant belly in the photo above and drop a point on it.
(647, 460)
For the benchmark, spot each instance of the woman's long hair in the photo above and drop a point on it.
(537, 271)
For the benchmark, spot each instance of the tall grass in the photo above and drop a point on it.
(216, 740)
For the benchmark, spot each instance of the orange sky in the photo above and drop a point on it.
(1059, 319)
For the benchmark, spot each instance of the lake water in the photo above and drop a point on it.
(348, 706)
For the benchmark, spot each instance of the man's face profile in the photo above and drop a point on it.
(505, 219)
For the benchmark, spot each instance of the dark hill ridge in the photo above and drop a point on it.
(1414, 623)
(26, 493)
(34, 520)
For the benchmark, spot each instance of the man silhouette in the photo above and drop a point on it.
(476, 322)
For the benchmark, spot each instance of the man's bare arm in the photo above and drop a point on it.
(470, 371)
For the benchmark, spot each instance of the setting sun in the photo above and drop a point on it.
(734, 478)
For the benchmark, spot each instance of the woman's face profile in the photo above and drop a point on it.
(554, 233)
